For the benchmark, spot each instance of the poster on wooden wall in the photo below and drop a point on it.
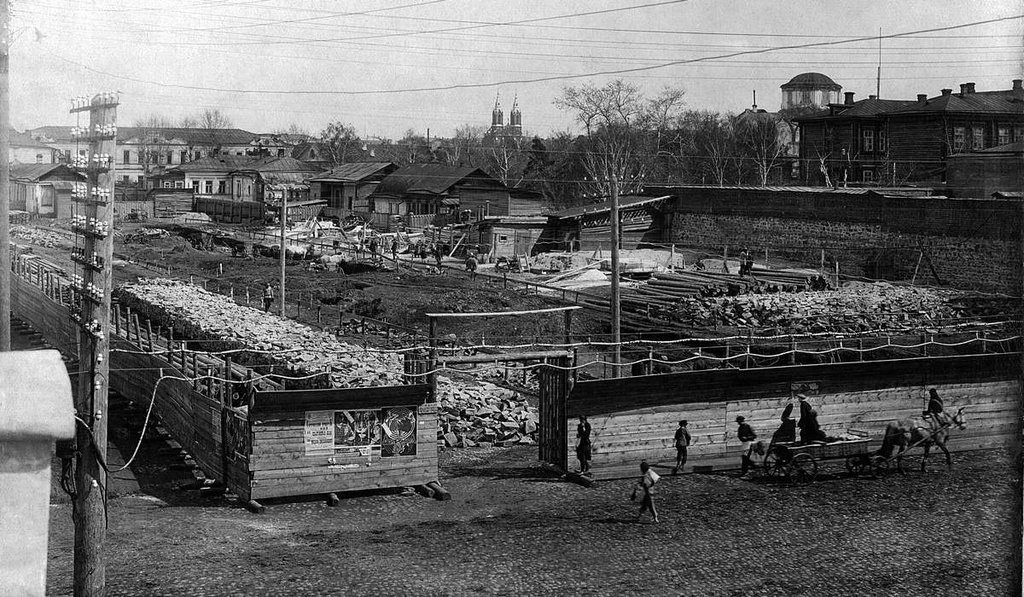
(318, 434)
(356, 428)
(399, 429)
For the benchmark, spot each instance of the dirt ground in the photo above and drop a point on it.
(513, 529)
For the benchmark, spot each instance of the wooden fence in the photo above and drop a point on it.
(635, 418)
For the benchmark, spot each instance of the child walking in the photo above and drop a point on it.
(646, 484)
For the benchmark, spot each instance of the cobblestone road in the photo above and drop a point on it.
(512, 530)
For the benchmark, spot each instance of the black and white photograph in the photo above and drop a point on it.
(695, 298)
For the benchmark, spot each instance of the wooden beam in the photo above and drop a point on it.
(339, 398)
(504, 313)
(505, 357)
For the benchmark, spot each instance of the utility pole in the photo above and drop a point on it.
(284, 252)
(92, 221)
(616, 313)
(5, 177)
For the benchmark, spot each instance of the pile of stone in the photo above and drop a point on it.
(215, 322)
(40, 237)
(474, 413)
(855, 307)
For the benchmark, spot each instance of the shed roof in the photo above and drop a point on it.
(217, 163)
(435, 179)
(354, 172)
(624, 202)
(35, 172)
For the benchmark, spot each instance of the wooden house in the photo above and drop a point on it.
(272, 180)
(892, 142)
(433, 189)
(348, 187)
(43, 189)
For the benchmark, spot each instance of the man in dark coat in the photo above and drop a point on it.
(745, 433)
(584, 450)
(786, 431)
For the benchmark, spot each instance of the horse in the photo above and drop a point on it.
(910, 432)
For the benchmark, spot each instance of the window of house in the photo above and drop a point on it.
(1003, 135)
(39, 158)
(167, 184)
(198, 155)
(183, 157)
(958, 139)
(141, 156)
(502, 238)
(222, 187)
(209, 187)
(882, 141)
(1018, 133)
(179, 184)
(124, 179)
(83, 152)
(238, 188)
(126, 157)
(138, 179)
(868, 176)
(195, 186)
(805, 97)
(869, 140)
(978, 138)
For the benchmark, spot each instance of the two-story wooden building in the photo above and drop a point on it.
(348, 187)
(893, 142)
(432, 189)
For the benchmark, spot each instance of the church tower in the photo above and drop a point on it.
(497, 118)
(515, 120)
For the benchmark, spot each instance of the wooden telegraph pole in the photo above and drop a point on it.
(93, 221)
(5, 177)
(284, 252)
(616, 312)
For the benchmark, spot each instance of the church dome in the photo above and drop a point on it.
(812, 81)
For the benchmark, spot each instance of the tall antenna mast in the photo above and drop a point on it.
(878, 80)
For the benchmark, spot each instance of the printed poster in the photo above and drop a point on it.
(319, 432)
(399, 430)
(356, 428)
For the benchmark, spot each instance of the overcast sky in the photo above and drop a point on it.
(389, 66)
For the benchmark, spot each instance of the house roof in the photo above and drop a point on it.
(594, 208)
(435, 179)
(197, 136)
(1015, 147)
(218, 163)
(812, 81)
(354, 172)
(865, 108)
(1002, 102)
(26, 140)
(34, 172)
(282, 164)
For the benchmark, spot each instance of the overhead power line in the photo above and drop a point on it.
(549, 78)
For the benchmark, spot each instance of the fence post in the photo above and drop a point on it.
(247, 302)
(860, 349)
(319, 315)
(792, 350)
(924, 345)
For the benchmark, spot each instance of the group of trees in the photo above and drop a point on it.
(639, 139)
(202, 132)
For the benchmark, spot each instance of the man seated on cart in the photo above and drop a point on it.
(810, 430)
(786, 433)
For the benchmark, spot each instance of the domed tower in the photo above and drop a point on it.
(810, 90)
(515, 119)
(497, 117)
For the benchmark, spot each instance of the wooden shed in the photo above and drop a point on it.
(588, 228)
(301, 442)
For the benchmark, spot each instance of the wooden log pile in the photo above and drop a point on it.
(215, 322)
(481, 414)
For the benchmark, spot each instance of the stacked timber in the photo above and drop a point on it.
(481, 414)
(215, 322)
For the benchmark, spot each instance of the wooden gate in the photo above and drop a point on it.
(555, 385)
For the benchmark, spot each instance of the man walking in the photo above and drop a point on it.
(584, 449)
(646, 484)
(682, 440)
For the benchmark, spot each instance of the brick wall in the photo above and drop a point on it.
(970, 243)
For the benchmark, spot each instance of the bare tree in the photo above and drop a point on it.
(154, 147)
(506, 159)
(759, 135)
(341, 143)
(623, 130)
(465, 147)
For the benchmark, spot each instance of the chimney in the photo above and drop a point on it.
(970, 87)
(963, 88)
(872, 97)
(947, 91)
(1017, 85)
(922, 97)
(848, 97)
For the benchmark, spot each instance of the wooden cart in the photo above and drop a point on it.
(798, 462)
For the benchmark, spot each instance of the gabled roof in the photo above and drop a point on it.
(999, 102)
(34, 172)
(354, 172)
(434, 179)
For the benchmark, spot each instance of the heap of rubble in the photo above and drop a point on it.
(482, 414)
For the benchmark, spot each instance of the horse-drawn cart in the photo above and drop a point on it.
(798, 462)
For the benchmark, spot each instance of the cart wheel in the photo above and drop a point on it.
(857, 464)
(773, 466)
(803, 468)
(879, 466)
